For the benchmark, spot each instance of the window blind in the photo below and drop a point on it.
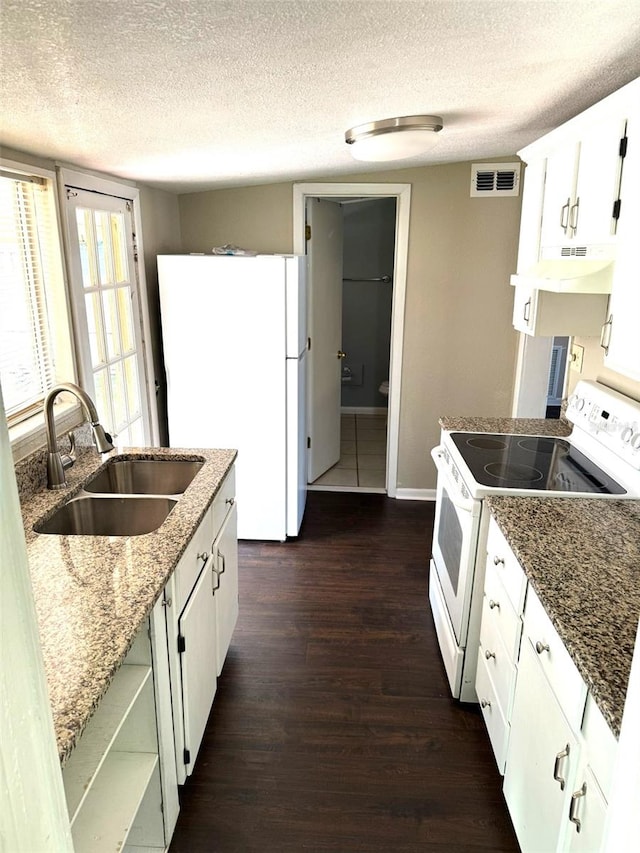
(27, 239)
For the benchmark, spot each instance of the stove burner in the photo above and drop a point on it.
(513, 472)
(485, 442)
(544, 445)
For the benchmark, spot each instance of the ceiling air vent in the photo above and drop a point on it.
(494, 180)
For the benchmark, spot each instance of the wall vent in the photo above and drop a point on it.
(494, 180)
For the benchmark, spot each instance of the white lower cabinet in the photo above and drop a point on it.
(500, 631)
(587, 814)
(542, 759)
(225, 550)
(201, 601)
(549, 737)
(119, 774)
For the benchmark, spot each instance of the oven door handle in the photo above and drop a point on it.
(453, 491)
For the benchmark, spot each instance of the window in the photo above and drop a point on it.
(105, 290)
(34, 339)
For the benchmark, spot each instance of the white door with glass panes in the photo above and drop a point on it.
(107, 312)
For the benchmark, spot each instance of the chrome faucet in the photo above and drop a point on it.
(58, 462)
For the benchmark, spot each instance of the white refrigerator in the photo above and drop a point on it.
(235, 343)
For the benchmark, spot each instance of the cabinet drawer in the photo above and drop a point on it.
(497, 726)
(498, 609)
(499, 665)
(193, 560)
(561, 672)
(508, 569)
(223, 501)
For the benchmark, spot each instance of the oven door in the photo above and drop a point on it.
(455, 539)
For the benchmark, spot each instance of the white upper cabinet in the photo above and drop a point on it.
(582, 187)
(621, 335)
(579, 230)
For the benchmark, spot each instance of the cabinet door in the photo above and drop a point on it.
(558, 195)
(586, 816)
(197, 626)
(591, 215)
(541, 759)
(524, 308)
(225, 551)
(620, 337)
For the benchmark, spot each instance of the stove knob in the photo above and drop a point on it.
(626, 434)
(635, 441)
(579, 403)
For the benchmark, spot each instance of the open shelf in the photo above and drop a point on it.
(110, 806)
(86, 760)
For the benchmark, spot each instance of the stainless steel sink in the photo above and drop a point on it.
(107, 516)
(144, 477)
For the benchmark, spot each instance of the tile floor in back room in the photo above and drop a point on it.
(363, 455)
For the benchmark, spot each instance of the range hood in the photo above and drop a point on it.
(570, 275)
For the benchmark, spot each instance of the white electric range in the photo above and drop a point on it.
(600, 459)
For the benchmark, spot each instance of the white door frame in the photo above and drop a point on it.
(402, 194)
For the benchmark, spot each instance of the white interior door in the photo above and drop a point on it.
(324, 251)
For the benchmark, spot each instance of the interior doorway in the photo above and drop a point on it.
(399, 194)
(367, 275)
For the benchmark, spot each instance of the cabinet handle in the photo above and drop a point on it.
(484, 703)
(573, 808)
(498, 560)
(526, 312)
(493, 604)
(490, 655)
(542, 647)
(564, 224)
(573, 217)
(604, 335)
(556, 767)
(215, 580)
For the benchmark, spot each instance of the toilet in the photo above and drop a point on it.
(384, 388)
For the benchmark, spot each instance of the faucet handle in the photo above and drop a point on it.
(69, 458)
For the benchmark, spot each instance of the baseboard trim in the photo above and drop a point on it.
(363, 410)
(372, 490)
(416, 494)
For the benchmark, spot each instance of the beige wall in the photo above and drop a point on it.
(593, 368)
(258, 218)
(459, 347)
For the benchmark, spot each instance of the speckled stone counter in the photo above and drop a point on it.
(515, 426)
(92, 593)
(583, 559)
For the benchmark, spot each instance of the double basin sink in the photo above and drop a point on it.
(127, 497)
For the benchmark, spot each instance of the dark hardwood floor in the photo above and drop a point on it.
(333, 728)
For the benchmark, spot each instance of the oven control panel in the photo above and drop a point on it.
(612, 419)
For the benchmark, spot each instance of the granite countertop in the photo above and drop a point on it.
(515, 426)
(582, 557)
(92, 593)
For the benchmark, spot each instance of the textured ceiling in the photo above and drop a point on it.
(192, 94)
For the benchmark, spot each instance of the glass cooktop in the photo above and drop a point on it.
(531, 462)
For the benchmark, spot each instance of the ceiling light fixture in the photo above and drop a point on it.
(393, 138)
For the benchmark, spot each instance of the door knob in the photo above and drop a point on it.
(341, 354)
